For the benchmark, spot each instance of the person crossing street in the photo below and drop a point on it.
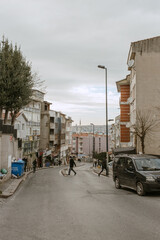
(71, 165)
(104, 167)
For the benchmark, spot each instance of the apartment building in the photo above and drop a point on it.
(143, 93)
(45, 126)
(83, 144)
(22, 138)
(55, 133)
(115, 133)
(32, 113)
(69, 135)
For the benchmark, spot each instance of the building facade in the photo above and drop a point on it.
(84, 144)
(123, 87)
(142, 96)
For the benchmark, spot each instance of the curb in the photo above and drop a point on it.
(15, 184)
(11, 189)
(103, 174)
(63, 171)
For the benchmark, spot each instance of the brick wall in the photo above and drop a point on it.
(125, 134)
(125, 110)
(125, 93)
(125, 113)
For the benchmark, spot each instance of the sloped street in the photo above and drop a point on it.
(50, 206)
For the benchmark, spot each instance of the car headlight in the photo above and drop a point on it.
(150, 179)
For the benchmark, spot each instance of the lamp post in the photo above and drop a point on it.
(93, 141)
(107, 157)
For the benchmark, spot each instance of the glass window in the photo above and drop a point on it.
(148, 164)
(129, 163)
(121, 162)
(52, 119)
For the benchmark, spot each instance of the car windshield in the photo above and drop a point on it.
(148, 164)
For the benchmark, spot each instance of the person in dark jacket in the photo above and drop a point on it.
(104, 167)
(25, 163)
(71, 165)
(34, 163)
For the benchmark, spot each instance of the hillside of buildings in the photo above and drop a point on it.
(100, 129)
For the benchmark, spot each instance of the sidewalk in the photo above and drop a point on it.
(9, 187)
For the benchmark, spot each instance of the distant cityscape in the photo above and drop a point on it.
(100, 129)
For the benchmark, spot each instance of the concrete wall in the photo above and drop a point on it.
(44, 137)
(148, 94)
(8, 150)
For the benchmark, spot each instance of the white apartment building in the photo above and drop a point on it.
(30, 128)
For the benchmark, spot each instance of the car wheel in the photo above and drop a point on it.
(140, 189)
(117, 183)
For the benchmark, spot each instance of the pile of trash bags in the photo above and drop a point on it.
(3, 173)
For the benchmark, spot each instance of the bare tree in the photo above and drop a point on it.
(144, 126)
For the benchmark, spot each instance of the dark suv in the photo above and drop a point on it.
(138, 172)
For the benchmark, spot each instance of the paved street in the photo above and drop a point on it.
(49, 206)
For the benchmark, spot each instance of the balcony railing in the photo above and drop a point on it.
(52, 137)
(52, 125)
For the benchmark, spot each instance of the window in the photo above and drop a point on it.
(45, 107)
(51, 131)
(121, 162)
(129, 164)
(23, 126)
(51, 143)
(52, 119)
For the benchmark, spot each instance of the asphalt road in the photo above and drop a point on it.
(49, 206)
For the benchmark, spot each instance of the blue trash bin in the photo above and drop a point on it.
(47, 164)
(18, 168)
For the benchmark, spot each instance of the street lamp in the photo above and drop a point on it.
(93, 141)
(103, 67)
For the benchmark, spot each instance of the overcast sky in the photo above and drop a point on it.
(65, 40)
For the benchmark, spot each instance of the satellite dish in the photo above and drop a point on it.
(130, 63)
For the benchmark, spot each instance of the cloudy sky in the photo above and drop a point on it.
(65, 40)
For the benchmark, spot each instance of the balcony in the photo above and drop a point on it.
(52, 125)
(52, 137)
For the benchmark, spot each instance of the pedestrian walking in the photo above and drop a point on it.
(25, 163)
(34, 163)
(71, 165)
(104, 167)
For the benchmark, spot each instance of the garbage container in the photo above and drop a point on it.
(18, 168)
(47, 164)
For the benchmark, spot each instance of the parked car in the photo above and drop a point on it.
(138, 172)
